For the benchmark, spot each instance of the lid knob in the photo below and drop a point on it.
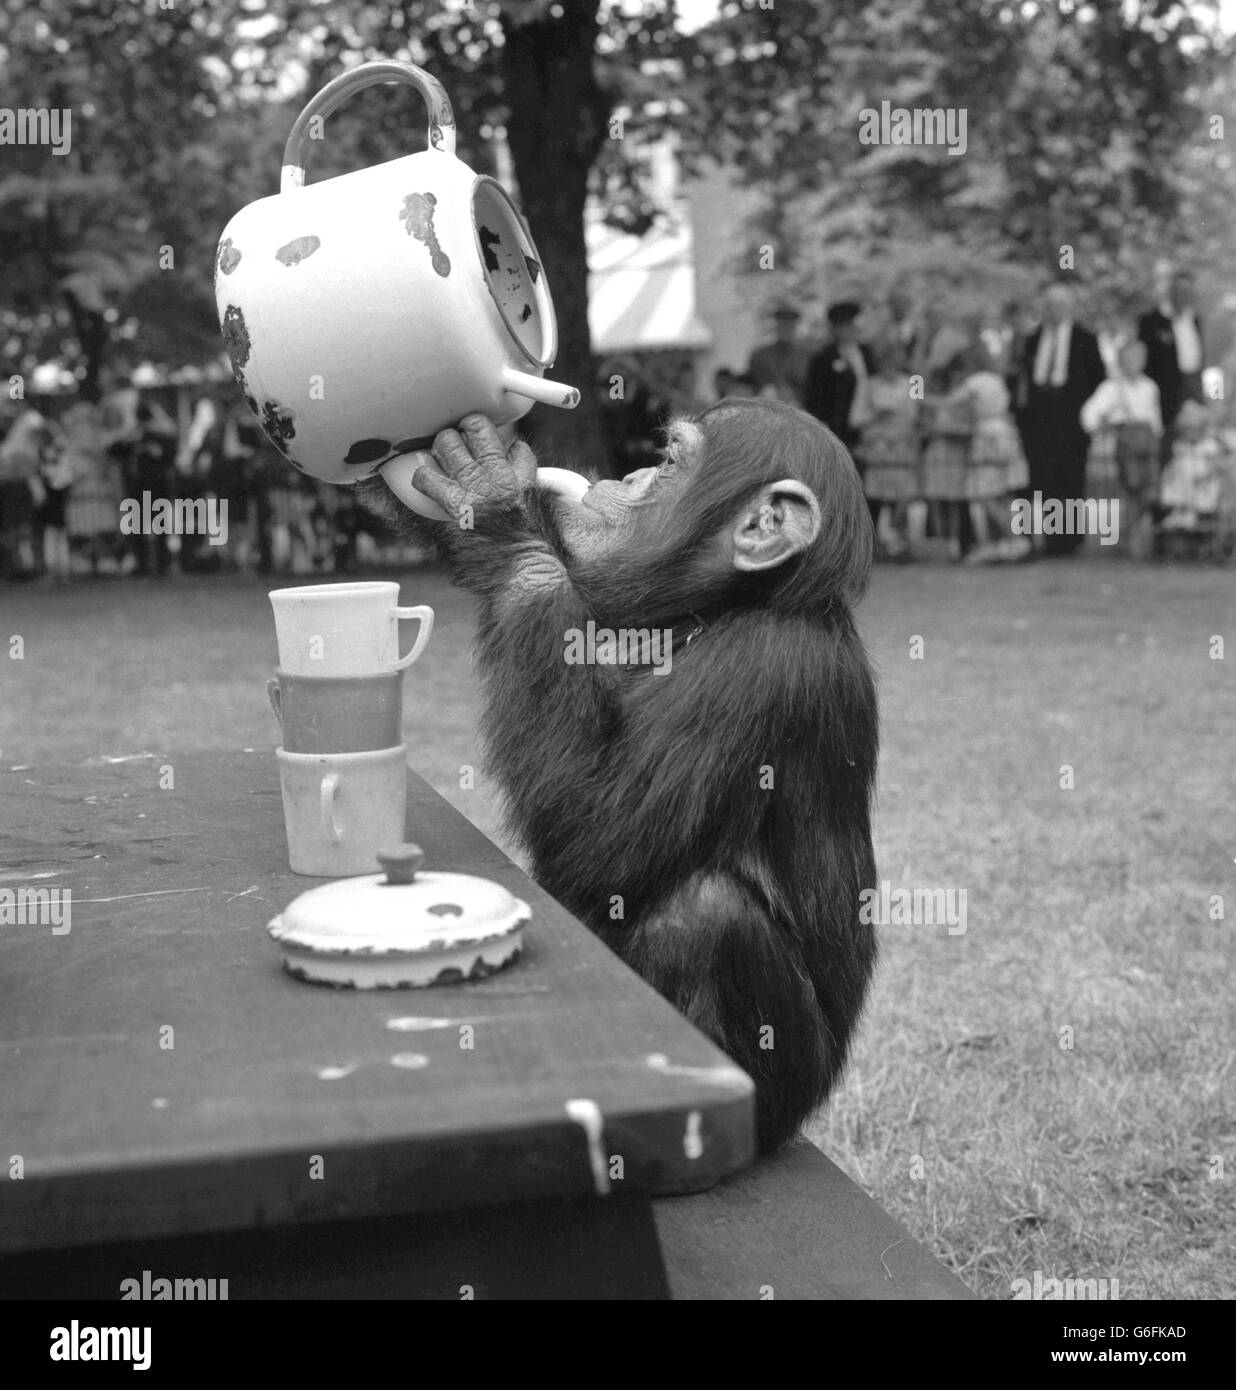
(402, 862)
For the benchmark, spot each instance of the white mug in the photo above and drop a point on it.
(340, 809)
(344, 629)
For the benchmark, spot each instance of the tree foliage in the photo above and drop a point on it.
(1088, 126)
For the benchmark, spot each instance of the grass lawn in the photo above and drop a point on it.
(1005, 1142)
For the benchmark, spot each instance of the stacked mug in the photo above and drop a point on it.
(338, 696)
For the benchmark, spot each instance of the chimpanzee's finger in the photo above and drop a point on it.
(429, 479)
(483, 439)
(453, 455)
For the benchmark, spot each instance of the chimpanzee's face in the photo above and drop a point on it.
(612, 513)
(690, 527)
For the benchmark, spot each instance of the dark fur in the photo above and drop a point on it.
(739, 904)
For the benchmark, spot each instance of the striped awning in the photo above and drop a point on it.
(641, 290)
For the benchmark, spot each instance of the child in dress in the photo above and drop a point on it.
(1126, 426)
(996, 465)
(890, 448)
(1192, 481)
(993, 463)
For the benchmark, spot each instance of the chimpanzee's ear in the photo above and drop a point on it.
(781, 520)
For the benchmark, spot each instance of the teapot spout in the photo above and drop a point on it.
(537, 389)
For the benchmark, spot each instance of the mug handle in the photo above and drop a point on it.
(275, 696)
(330, 785)
(335, 93)
(423, 636)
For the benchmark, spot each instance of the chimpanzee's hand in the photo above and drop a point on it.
(473, 476)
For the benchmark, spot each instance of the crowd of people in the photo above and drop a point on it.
(951, 419)
(64, 477)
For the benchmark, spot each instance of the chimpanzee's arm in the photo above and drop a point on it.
(684, 760)
(674, 758)
(513, 557)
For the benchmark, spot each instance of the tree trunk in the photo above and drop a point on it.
(558, 116)
(92, 336)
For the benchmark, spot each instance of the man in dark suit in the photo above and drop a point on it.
(779, 368)
(838, 372)
(1172, 333)
(1062, 368)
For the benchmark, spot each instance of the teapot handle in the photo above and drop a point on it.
(336, 92)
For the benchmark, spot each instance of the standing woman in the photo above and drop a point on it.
(93, 512)
(56, 477)
(947, 455)
(21, 494)
(890, 447)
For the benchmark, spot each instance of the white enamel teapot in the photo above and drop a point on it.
(365, 313)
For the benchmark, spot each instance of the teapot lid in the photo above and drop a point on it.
(403, 927)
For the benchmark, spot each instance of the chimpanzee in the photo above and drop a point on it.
(708, 816)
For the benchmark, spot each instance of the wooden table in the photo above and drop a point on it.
(181, 1105)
